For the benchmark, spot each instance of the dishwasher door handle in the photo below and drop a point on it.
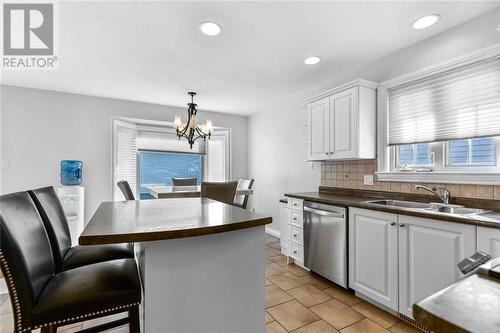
(323, 212)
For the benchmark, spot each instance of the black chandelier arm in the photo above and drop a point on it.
(200, 132)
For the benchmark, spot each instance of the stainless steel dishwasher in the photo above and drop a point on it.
(325, 241)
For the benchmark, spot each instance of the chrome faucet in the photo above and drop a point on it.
(445, 197)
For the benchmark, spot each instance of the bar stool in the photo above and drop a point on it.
(43, 298)
(242, 200)
(220, 191)
(65, 256)
(124, 186)
(184, 181)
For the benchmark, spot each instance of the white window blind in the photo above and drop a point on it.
(126, 164)
(217, 159)
(457, 104)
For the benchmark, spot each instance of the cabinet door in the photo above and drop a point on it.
(429, 251)
(284, 242)
(318, 148)
(488, 240)
(344, 124)
(373, 255)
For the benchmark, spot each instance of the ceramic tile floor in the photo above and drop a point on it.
(301, 302)
(296, 301)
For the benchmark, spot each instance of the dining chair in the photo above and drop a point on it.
(55, 222)
(242, 200)
(44, 298)
(220, 191)
(124, 186)
(184, 181)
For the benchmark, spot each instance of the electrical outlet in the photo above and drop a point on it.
(368, 180)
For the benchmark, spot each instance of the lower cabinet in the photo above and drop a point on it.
(488, 240)
(397, 260)
(429, 251)
(373, 255)
(284, 241)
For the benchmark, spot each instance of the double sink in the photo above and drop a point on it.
(437, 208)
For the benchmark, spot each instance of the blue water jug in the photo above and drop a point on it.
(71, 172)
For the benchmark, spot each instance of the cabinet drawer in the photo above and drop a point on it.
(296, 235)
(295, 219)
(297, 252)
(295, 204)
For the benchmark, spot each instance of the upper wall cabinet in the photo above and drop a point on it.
(342, 123)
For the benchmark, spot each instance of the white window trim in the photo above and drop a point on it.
(385, 160)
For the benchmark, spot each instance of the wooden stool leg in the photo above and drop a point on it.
(134, 321)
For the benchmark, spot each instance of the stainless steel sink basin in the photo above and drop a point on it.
(400, 203)
(455, 210)
(429, 207)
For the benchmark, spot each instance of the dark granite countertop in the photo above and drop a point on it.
(151, 220)
(357, 198)
(470, 305)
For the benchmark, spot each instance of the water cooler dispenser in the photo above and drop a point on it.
(71, 194)
(72, 199)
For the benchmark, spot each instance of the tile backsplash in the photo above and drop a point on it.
(350, 174)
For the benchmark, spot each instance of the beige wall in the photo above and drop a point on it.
(349, 174)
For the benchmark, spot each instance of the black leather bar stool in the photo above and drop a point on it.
(184, 181)
(242, 200)
(124, 186)
(43, 298)
(220, 191)
(65, 256)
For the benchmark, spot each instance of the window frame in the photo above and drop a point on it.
(386, 157)
(470, 164)
(397, 158)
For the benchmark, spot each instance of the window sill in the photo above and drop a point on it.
(483, 178)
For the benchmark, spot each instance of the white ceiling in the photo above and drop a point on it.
(154, 52)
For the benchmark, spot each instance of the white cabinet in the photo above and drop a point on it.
(373, 255)
(343, 119)
(429, 251)
(294, 231)
(343, 124)
(488, 240)
(397, 260)
(284, 228)
(318, 147)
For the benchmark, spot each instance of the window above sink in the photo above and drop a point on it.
(440, 124)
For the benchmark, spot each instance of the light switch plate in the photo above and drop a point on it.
(4, 165)
(368, 180)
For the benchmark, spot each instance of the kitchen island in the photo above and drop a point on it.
(202, 262)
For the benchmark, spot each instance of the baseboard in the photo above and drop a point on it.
(273, 232)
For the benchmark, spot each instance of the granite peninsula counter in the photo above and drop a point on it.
(202, 262)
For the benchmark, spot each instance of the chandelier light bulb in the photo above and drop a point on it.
(178, 122)
(209, 126)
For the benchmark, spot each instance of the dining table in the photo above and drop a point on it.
(161, 192)
(201, 261)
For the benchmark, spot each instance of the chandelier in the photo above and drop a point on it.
(191, 131)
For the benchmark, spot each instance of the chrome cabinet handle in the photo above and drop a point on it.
(393, 223)
(401, 225)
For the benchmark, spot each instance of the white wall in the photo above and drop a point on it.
(276, 150)
(39, 128)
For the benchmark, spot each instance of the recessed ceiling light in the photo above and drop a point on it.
(426, 21)
(312, 60)
(210, 28)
